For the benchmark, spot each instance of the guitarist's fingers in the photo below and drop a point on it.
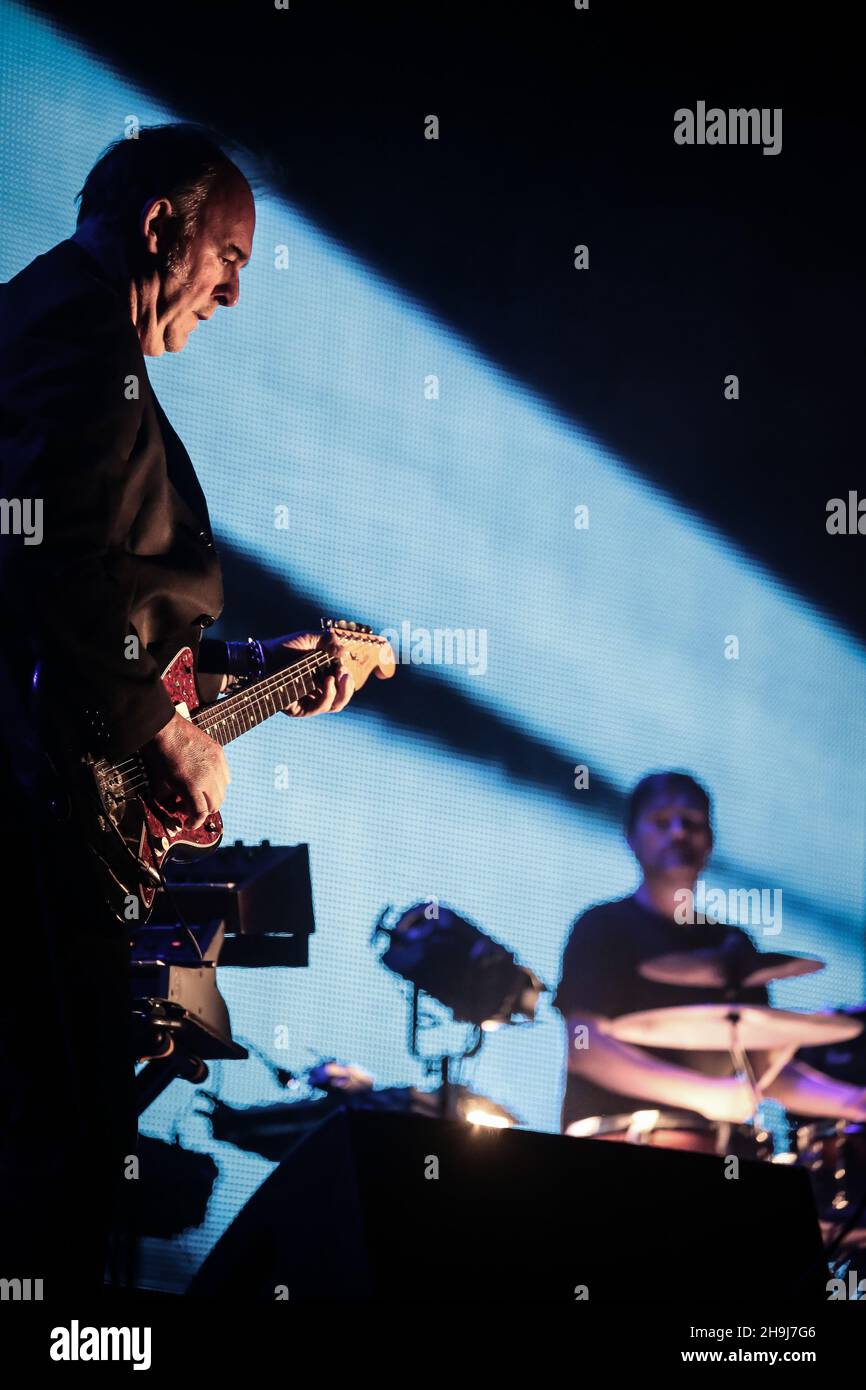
(327, 695)
(215, 792)
(199, 809)
(323, 700)
(344, 693)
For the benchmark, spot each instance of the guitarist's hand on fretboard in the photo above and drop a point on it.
(188, 771)
(334, 686)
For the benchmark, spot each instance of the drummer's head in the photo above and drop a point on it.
(668, 826)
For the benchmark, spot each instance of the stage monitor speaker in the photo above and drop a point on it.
(401, 1207)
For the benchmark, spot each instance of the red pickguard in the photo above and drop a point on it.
(167, 831)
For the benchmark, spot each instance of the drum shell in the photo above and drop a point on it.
(689, 1134)
(834, 1154)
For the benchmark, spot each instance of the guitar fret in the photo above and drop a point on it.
(262, 700)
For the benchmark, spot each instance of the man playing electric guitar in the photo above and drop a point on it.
(122, 577)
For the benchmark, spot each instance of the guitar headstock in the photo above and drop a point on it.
(362, 651)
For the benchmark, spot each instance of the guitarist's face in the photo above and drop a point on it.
(194, 278)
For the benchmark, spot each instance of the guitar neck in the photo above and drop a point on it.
(234, 715)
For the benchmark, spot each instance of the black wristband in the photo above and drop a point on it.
(245, 660)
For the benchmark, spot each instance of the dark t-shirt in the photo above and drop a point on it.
(600, 973)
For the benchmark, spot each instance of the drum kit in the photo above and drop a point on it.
(832, 1151)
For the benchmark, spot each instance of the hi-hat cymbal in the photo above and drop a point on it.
(708, 1027)
(720, 969)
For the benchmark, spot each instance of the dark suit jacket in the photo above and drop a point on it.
(127, 548)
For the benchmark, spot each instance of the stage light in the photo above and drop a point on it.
(453, 960)
(486, 1119)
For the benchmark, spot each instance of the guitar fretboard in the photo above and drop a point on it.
(237, 714)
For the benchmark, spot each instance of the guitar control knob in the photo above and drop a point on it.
(164, 841)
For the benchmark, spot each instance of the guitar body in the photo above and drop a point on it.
(131, 835)
(152, 833)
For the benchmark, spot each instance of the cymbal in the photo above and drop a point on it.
(720, 968)
(707, 1027)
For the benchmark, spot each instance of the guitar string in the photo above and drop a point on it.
(136, 777)
(217, 712)
(233, 707)
(236, 704)
(214, 714)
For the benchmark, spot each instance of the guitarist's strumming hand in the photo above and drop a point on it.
(188, 771)
(333, 690)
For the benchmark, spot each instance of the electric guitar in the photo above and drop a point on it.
(129, 832)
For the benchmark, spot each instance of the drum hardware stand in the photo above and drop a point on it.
(744, 1068)
(757, 1085)
(740, 1058)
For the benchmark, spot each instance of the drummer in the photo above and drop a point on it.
(669, 831)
